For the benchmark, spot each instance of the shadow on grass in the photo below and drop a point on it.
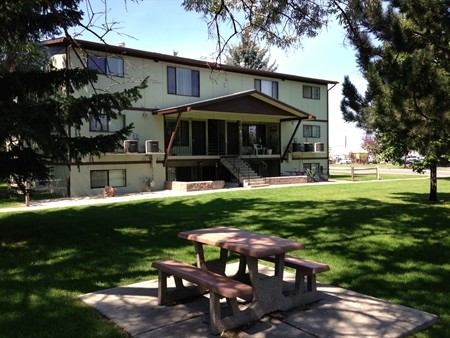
(397, 251)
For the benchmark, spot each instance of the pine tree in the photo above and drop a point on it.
(37, 108)
(403, 50)
(248, 54)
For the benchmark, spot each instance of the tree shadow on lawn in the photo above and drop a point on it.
(397, 251)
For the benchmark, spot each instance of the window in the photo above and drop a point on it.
(182, 136)
(183, 81)
(253, 134)
(109, 65)
(311, 131)
(102, 123)
(267, 87)
(311, 92)
(112, 178)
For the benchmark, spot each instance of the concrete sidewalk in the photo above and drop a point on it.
(341, 313)
(94, 200)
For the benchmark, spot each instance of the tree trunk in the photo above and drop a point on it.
(433, 183)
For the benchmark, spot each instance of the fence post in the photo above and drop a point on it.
(353, 173)
(378, 173)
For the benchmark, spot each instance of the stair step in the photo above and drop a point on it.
(242, 170)
(259, 186)
(257, 183)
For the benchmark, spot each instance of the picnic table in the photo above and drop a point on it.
(261, 293)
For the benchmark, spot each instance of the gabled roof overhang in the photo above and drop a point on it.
(250, 102)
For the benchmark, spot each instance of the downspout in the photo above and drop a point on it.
(172, 140)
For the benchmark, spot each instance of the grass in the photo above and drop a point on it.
(370, 176)
(367, 172)
(18, 200)
(380, 238)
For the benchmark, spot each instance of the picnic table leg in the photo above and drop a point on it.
(222, 261)
(267, 290)
(200, 256)
(217, 266)
(237, 317)
(311, 283)
(215, 313)
(279, 265)
(241, 273)
(162, 288)
(166, 295)
(299, 281)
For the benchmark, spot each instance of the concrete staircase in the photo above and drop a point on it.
(243, 172)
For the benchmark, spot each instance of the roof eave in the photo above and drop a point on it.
(121, 50)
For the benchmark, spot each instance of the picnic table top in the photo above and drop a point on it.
(244, 242)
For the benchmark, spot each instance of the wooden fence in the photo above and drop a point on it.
(358, 171)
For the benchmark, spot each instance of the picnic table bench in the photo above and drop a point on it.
(218, 285)
(304, 268)
(261, 292)
(210, 281)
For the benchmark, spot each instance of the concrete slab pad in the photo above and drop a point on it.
(341, 313)
(135, 307)
(344, 313)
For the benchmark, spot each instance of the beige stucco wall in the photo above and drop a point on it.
(150, 127)
(212, 84)
(136, 176)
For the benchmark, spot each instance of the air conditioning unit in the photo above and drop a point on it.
(297, 147)
(130, 146)
(319, 147)
(309, 146)
(151, 146)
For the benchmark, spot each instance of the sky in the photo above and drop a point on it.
(163, 26)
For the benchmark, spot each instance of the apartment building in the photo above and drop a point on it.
(196, 120)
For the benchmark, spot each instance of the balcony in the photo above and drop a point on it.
(308, 150)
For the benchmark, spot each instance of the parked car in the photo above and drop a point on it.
(411, 159)
(345, 161)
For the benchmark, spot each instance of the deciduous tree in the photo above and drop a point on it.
(280, 23)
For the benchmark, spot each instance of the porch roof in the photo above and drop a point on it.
(246, 102)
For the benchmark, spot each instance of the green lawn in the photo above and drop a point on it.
(370, 176)
(18, 200)
(380, 238)
(367, 172)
